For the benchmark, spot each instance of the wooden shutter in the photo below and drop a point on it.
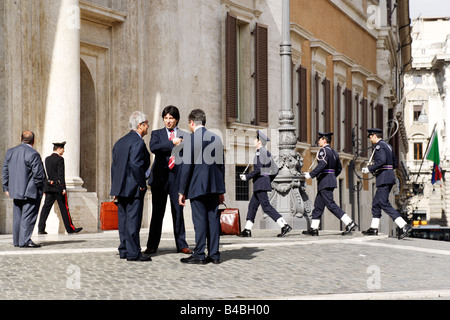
(365, 120)
(380, 116)
(302, 105)
(338, 118)
(231, 68)
(262, 75)
(348, 148)
(316, 102)
(327, 107)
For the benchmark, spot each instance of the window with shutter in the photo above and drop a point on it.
(261, 75)
(348, 122)
(380, 116)
(337, 140)
(231, 68)
(365, 121)
(302, 105)
(326, 114)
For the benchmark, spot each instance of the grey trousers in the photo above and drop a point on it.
(25, 213)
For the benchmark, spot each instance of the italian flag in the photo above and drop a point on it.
(433, 155)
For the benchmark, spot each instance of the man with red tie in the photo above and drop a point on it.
(164, 181)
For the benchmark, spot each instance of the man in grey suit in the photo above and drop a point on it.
(23, 180)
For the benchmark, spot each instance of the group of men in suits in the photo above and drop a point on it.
(329, 167)
(25, 181)
(182, 170)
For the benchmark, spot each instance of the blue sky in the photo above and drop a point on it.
(429, 8)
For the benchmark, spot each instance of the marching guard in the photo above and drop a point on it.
(384, 163)
(328, 168)
(262, 183)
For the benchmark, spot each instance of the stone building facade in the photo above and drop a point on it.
(74, 70)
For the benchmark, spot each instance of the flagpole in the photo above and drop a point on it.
(424, 155)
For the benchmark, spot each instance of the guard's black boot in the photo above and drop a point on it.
(246, 233)
(287, 228)
(370, 232)
(404, 232)
(311, 232)
(349, 228)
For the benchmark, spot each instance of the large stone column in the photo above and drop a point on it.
(61, 62)
(289, 196)
(62, 108)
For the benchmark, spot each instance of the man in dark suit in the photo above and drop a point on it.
(328, 168)
(23, 180)
(55, 190)
(202, 181)
(262, 178)
(130, 163)
(164, 181)
(384, 163)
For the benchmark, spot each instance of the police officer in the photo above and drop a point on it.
(264, 171)
(384, 163)
(328, 168)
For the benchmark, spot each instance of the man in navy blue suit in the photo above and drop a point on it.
(23, 181)
(164, 181)
(384, 163)
(131, 162)
(202, 181)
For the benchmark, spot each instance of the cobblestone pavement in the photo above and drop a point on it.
(264, 267)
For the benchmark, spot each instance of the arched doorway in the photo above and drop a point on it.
(88, 129)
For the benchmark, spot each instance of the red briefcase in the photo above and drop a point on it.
(230, 222)
(109, 218)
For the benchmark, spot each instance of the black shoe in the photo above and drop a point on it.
(349, 228)
(209, 259)
(142, 257)
(193, 260)
(76, 230)
(31, 244)
(42, 232)
(311, 232)
(287, 228)
(370, 232)
(246, 233)
(404, 232)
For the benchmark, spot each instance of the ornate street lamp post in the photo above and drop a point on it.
(288, 196)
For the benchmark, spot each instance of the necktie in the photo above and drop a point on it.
(172, 158)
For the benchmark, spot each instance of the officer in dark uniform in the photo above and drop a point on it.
(55, 190)
(328, 168)
(264, 171)
(384, 162)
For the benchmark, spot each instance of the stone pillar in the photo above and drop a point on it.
(62, 109)
(289, 196)
(61, 62)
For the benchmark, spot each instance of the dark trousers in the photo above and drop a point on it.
(381, 202)
(130, 219)
(50, 198)
(261, 198)
(324, 198)
(25, 213)
(206, 219)
(159, 201)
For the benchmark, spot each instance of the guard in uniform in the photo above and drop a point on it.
(55, 190)
(264, 171)
(328, 168)
(384, 163)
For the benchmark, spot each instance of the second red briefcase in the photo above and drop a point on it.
(230, 222)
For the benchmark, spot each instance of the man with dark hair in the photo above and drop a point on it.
(202, 181)
(328, 168)
(384, 163)
(164, 181)
(23, 180)
(55, 190)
